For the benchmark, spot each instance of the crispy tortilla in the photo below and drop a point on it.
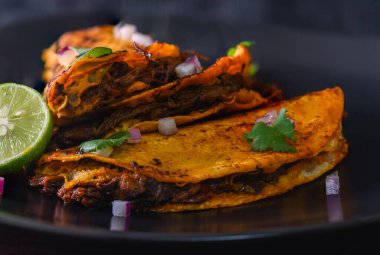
(216, 148)
(207, 165)
(243, 100)
(83, 38)
(68, 94)
(305, 171)
(89, 100)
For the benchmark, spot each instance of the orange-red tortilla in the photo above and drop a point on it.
(74, 83)
(305, 171)
(215, 149)
(83, 38)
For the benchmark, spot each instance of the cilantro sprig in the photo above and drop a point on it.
(115, 140)
(96, 52)
(232, 50)
(265, 137)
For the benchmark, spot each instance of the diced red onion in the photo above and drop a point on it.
(135, 135)
(167, 126)
(195, 61)
(141, 39)
(1, 186)
(121, 208)
(124, 31)
(293, 122)
(332, 184)
(105, 152)
(334, 204)
(189, 67)
(268, 118)
(66, 55)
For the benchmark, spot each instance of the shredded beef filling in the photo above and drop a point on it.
(146, 192)
(119, 78)
(190, 99)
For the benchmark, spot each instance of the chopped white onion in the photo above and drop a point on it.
(66, 55)
(167, 126)
(105, 152)
(141, 39)
(1, 186)
(135, 135)
(124, 31)
(189, 67)
(121, 208)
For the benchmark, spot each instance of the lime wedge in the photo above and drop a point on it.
(26, 126)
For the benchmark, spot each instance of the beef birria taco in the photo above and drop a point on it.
(136, 88)
(87, 38)
(205, 165)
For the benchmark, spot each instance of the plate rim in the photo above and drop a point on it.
(21, 222)
(191, 237)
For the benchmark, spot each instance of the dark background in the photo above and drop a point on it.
(301, 45)
(339, 39)
(349, 17)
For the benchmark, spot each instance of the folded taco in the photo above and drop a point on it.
(205, 165)
(138, 87)
(118, 37)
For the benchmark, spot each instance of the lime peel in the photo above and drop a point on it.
(26, 126)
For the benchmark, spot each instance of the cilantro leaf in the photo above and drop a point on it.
(264, 137)
(120, 135)
(284, 125)
(96, 52)
(114, 140)
(93, 145)
(247, 43)
(232, 50)
(253, 69)
(81, 51)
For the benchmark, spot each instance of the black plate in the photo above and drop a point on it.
(297, 59)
